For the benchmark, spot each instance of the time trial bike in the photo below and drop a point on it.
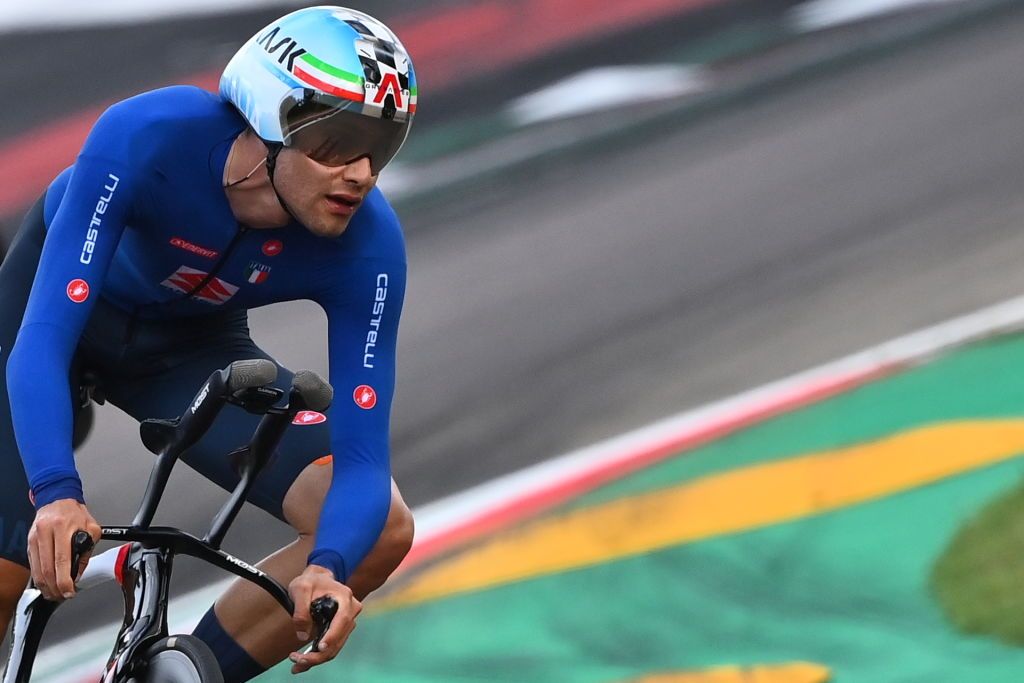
(144, 651)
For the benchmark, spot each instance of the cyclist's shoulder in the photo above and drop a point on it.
(174, 104)
(162, 120)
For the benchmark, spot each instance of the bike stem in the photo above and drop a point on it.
(254, 457)
(195, 421)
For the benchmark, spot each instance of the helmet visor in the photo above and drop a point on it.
(335, 137)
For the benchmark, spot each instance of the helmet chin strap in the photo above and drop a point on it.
(273, 149)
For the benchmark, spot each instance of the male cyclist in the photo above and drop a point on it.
(183, 210)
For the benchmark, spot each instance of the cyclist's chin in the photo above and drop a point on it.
(327, 225)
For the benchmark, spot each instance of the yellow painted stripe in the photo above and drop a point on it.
(799, 672)
(743, 499)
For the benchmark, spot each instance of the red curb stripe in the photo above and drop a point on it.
(494, 33)
(578, 483)
(33, 159)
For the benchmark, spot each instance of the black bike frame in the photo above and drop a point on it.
(146, 570)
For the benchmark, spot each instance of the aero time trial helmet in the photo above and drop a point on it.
(331, 82)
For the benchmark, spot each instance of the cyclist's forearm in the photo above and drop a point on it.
(352, 517)
(37, 379)
(80, 243)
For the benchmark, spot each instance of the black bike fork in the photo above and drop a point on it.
(145, 584)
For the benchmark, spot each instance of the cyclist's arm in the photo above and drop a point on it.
(363, 311)
(80, 242)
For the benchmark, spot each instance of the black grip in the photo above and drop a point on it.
(246, 374)
(311, 391)
(322, 611)
(81, 543)
(203, 410)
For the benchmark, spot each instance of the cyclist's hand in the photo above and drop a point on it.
(49, 546)
(311, 584)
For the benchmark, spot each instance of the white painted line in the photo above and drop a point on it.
(821, 14)
(607, 87)
(440, 518)
(437, 519)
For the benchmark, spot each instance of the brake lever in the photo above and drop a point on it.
(81, 543)
(322, 611)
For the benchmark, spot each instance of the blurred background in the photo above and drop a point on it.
(615, 211)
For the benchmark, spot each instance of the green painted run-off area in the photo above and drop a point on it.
(848, 589)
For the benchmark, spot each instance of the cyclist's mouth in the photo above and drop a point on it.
(342, 204)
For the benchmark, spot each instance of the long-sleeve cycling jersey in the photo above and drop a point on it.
(142, 220)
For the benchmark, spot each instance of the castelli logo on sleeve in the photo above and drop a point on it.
(273, 247)
(379, 299)
(365, 397)
(92, 233)
(78, 290)
(309, 417)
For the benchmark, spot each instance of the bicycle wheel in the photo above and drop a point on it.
(179, 659)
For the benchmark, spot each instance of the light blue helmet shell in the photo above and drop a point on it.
(333, 55)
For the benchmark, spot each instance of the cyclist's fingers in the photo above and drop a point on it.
(340, 629)
(62, 564)
(330, 646)
(96, 532)
(300, 663)
(33, 560)
(83, 562)
(331, 642)
(302, 595)
(305, 662)
(46, 580)
(346, 632)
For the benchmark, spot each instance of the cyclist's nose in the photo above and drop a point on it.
(358, 172)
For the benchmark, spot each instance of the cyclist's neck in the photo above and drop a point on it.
(247, 185)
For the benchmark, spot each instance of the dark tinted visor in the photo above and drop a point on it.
(340, 136)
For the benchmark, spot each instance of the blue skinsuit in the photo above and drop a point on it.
(141, 222)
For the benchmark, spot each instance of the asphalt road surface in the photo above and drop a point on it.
(622, 287)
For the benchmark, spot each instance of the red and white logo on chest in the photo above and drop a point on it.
(185, 280)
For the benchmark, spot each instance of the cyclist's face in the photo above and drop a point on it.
(323, 198)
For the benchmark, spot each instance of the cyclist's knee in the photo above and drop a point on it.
(305, 497)
(399, 529)
(387, 554)
(304, 500)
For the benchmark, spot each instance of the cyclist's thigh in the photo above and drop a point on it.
(16, 275)
(168, 393)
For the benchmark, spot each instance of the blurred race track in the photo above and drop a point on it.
(615, 288)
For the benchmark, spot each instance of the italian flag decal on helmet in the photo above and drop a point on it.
(331, 72)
